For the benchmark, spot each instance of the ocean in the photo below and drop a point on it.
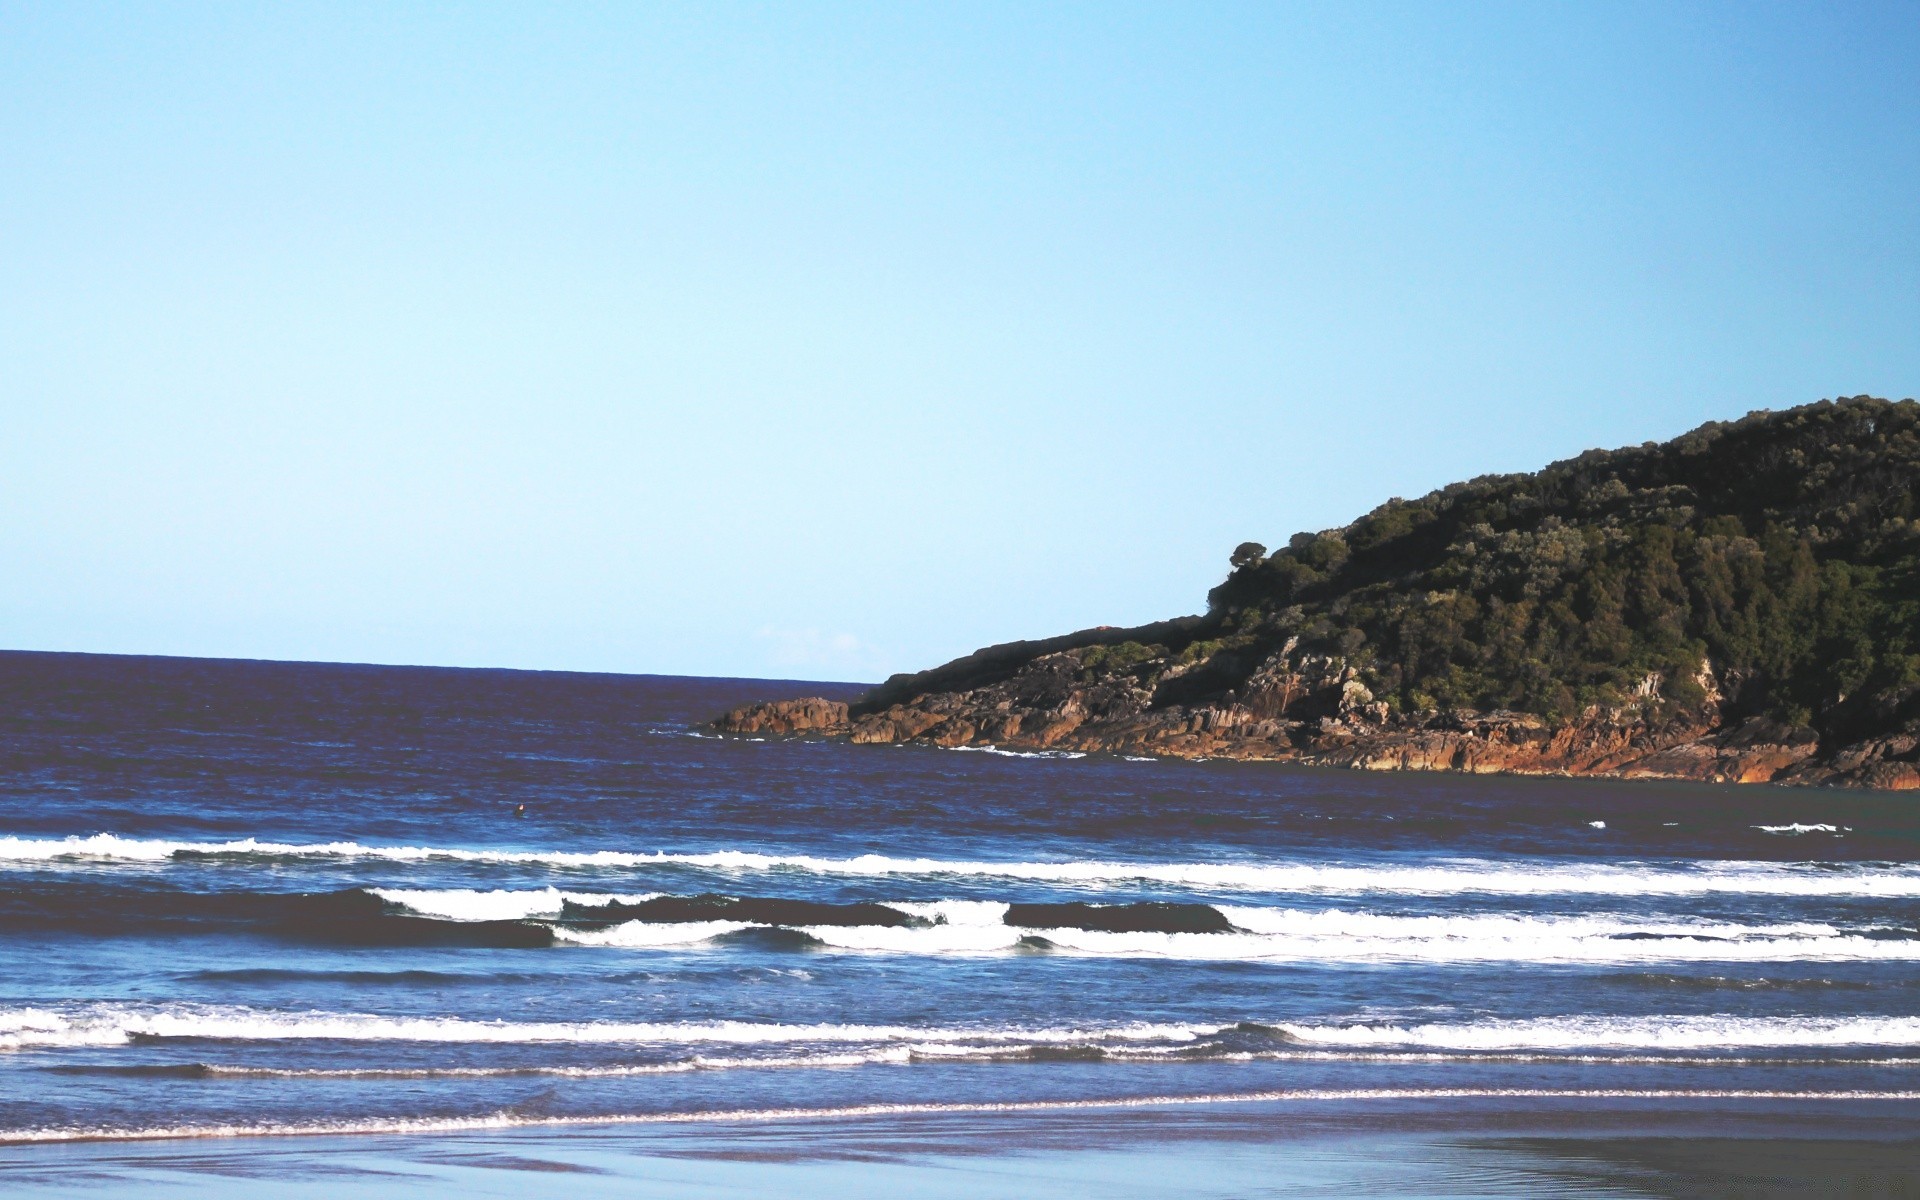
(271, 899)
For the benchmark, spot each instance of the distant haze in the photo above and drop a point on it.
(832, 341)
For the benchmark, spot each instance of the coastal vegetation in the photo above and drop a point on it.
(1776, 557)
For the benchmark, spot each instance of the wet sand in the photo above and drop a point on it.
(1143, 1154)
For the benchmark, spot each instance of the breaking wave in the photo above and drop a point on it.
(1465, 876)
(1241, 933)
(1452, 940)
(500, 904)
(536, 918)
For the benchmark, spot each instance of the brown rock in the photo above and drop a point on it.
(898, 724)
(1893, 776)
(955, 732)
(809, 714)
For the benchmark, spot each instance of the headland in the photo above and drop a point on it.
(1739, 604)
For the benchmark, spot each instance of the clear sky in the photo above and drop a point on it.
(834, 340)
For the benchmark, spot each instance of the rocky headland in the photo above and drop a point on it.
(1741, 604)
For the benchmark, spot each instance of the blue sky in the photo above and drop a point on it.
(834, 340)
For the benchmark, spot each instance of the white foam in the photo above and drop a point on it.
(119, 1024)
(938, 1052)
(940, 939)
(887, 1055)
(1331, 935)
(1627, 1033)
(651, 935)
(1363, 925)
(896, 1055)
(1335, 934)
(995, 750)
(1797, 828)
(506, 1120)
(1536, 948)
(1430, 878)
(501, 904)
(954, 912)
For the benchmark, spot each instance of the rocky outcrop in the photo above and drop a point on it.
(1311, 709)
(809, 714)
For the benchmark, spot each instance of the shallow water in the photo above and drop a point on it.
(245, 898)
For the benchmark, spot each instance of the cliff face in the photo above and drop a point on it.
(1740, 604)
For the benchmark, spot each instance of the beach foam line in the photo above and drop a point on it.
(1434, 878)
(509, 1120)
(113, 1024)
(921, 1055)
(123, 1024)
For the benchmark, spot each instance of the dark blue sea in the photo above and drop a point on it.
(254, 898)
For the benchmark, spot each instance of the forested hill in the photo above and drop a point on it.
(1783, 549)
(1740, 602)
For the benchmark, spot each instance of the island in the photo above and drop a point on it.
(1739, 604)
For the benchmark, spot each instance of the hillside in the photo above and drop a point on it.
(1741, 603)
